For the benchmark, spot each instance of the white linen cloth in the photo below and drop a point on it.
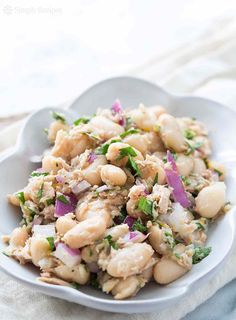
(206, 67)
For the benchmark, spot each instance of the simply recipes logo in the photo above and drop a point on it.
(31, 10)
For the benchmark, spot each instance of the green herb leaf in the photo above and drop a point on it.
(169, 239)
(206, 162)
(51, 243)
(94, 280)
(75, 285)
(139, 226)
(45, 130)
(128, 132)
(218, 172)
(63, 199)
(192, 148)
(40, 192)
(200, 226)
(127, 151)
(104, 147)
(59, 116)
(81, 120)
(132, 165)
(189, 134)
(155, 179)
(112, 243)
(50, 202)
(39, 174)
(20, 195)
(146, 206)
(200, 254)
(186, 180)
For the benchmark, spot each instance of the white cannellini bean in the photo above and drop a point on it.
(105, 127)
(210, 200)
(144, 118)
(156, 239)
(113, 176)
(54, 128)
(93, 209)
(89, 254)
(157, 110)
(78, 274)
(114, 152)
(39, 249)
(118, 231)
(199, 166)
(171, 133)
(92, 173)
(126, 288)
(167, 270)
(53, 164)
(85, 233)
(154, 142)
(185, 164)
(130, 260)
(138, 141)
(13, 199)
(65, 223)
(19, 237)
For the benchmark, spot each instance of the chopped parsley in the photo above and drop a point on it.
(81, 120)
(169, 239)
(75, 285)
(127, 151)
(94, 280)
(51, 243)
(155, 181)
(218, 172)
(200, 254)
(199, 225)
(20, 195)
(104, 147)
(63, 199)
(206, 162)
(146, 206)
(45, 130)
(177, 255)
(192, 148)
(128, 123)
(59, 116)
(123, 214)
(186, 180)
(132, 165)
(189, 134)
(111, 242)
(50, 202)
(40, 192)
(128, 132)
(139, 226)
(39, 174)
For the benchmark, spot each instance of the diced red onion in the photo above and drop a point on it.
(37, 220)
(92, 156)
(47, 230)
(60, 179)
(103, 188)
(130, 221)
(93, 267)
(70, 257)
(116, 107)
(134, 236)
(40, 170)
(62, 208)
(80, 187)
(175, 182)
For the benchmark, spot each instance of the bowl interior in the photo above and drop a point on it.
(15, 169)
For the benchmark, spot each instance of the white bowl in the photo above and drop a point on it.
(15, 169)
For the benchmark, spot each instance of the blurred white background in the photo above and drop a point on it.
(53, 50)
